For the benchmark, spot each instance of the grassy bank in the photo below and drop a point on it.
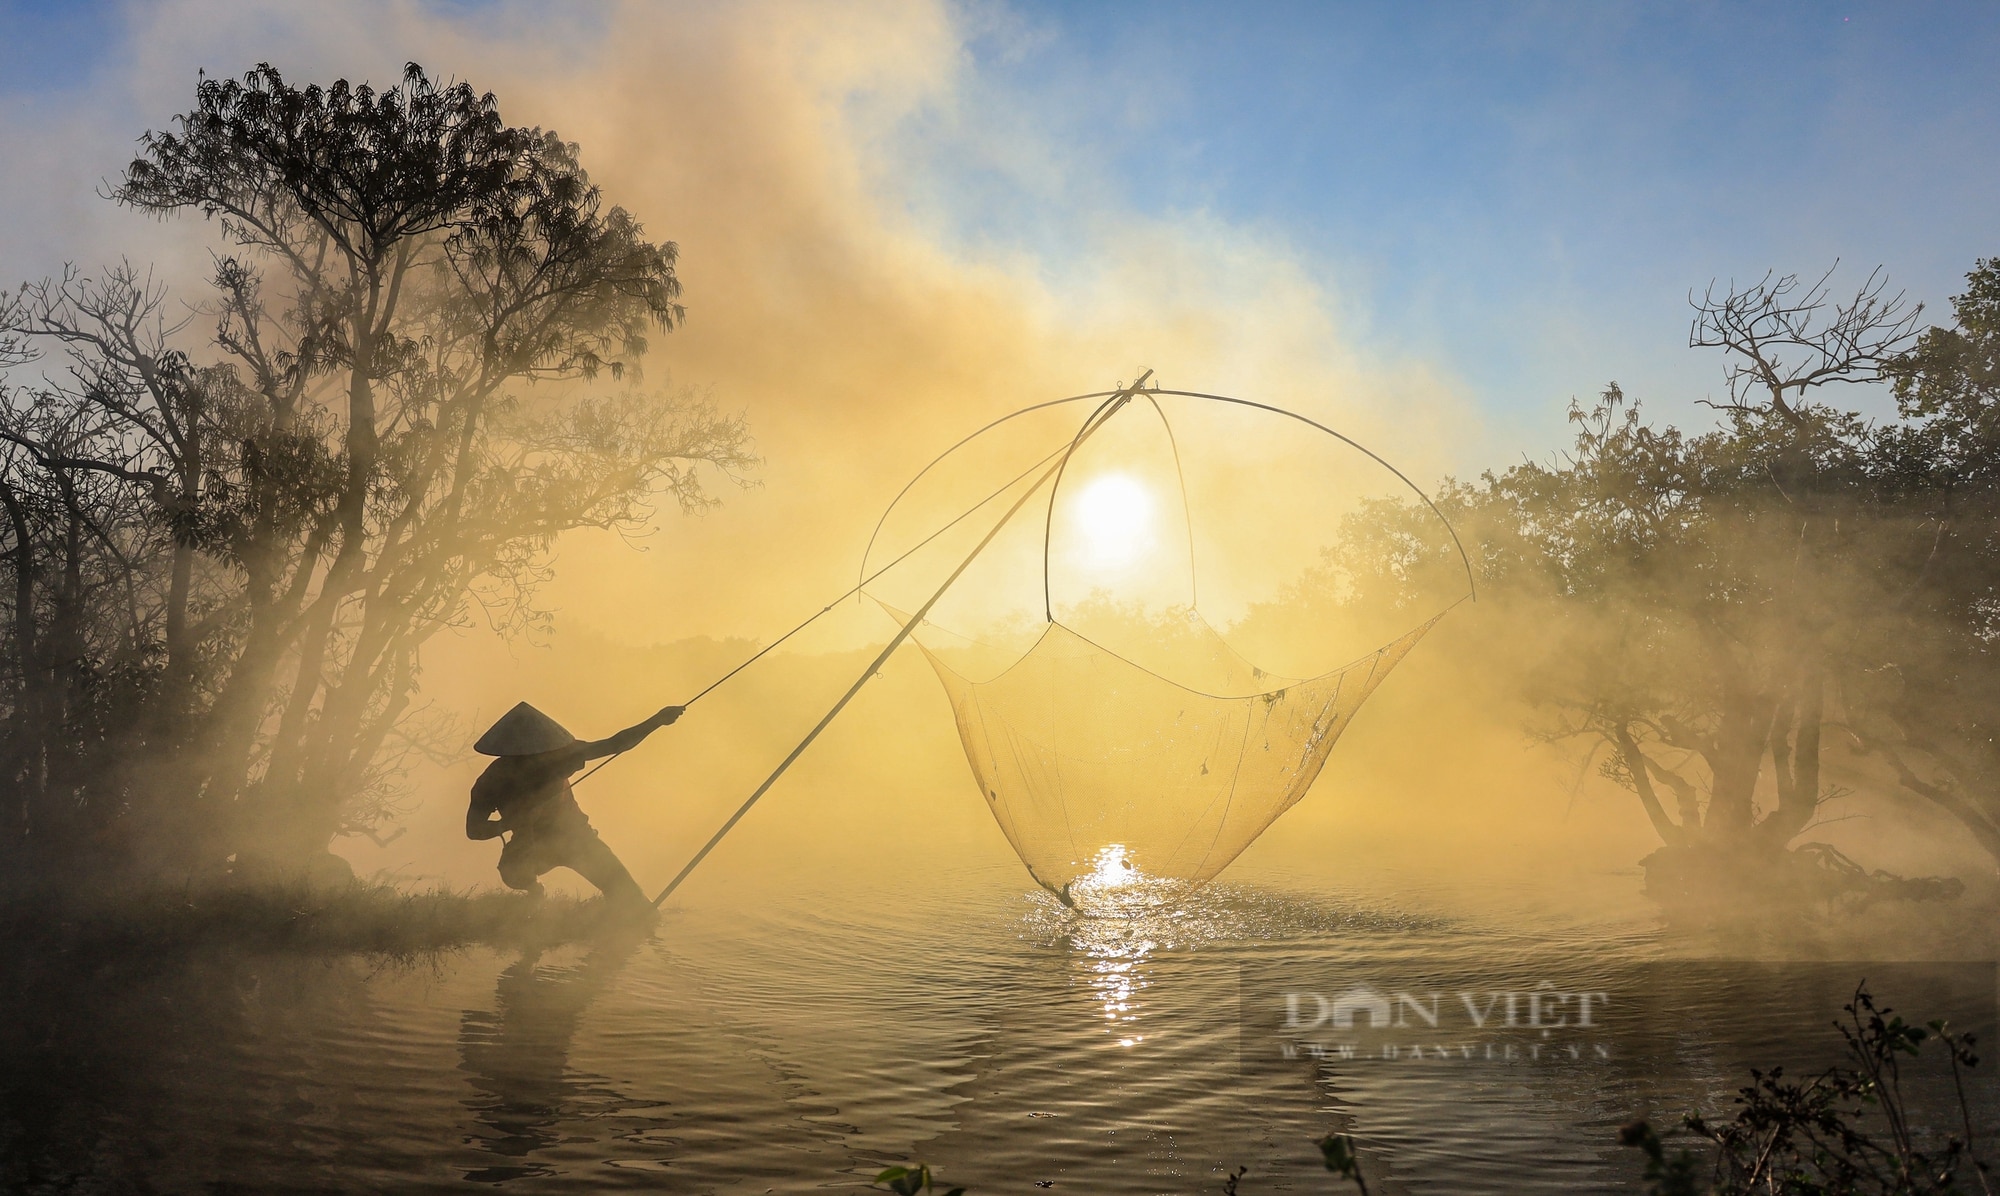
(287, 914)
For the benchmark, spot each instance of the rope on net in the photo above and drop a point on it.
(1103, 412)
(858, 587)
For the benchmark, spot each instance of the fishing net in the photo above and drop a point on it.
(1098, 768)
(1137, 750)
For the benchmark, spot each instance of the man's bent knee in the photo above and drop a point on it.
(520, 876)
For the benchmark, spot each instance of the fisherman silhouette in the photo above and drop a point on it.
(525, 795)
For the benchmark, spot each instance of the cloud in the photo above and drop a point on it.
(771, 141)
(860, 337)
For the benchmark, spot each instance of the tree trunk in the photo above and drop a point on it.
(1984, 829)
(180, 586)
(1737, 761)
(1795, 759)
(26, 730)
(1637, 766)
(288, 748)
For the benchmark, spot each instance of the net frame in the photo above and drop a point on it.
(1072, 715)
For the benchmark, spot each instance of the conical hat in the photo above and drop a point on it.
(523, 731)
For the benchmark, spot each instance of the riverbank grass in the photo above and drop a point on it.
(300, 914)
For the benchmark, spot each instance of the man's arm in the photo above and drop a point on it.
(631, 736)
(479, 821)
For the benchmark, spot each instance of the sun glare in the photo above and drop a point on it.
(1116, 514)
(1113, 869)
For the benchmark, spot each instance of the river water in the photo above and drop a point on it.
(802, 1042)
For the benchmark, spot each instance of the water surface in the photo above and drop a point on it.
(801, 1042)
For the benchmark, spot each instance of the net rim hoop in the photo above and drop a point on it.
(938, 460)
(1465, 558)
(1049, 619)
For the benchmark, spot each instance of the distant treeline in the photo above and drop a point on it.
(230, 526)
(1746, 621)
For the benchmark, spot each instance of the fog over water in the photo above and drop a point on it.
(864, 973)
(788, 1032)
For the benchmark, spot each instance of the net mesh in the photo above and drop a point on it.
(1121, 743)
(1099, 767)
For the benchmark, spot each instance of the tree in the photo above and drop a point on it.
(1724, 576)
(418, 308)
(1784, 344)
(80, 632)
(1925, 693)
(1702, 603)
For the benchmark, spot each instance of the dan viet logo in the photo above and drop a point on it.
(1546, 1023)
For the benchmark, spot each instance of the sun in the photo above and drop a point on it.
(1115, 513)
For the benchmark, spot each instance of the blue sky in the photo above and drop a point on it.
(1523, 193)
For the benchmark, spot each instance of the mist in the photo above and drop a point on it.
(657, 365)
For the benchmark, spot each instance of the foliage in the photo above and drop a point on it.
(1697, 598)
(1844, 1132)
(1338, 1152)
(421, 368)
(1926, 698)
(908, 1181)
(1735, 622)
(1678, 1176)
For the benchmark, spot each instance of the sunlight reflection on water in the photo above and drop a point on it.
(807, 1040)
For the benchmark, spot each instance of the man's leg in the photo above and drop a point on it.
(519, 869)
(589, 858)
